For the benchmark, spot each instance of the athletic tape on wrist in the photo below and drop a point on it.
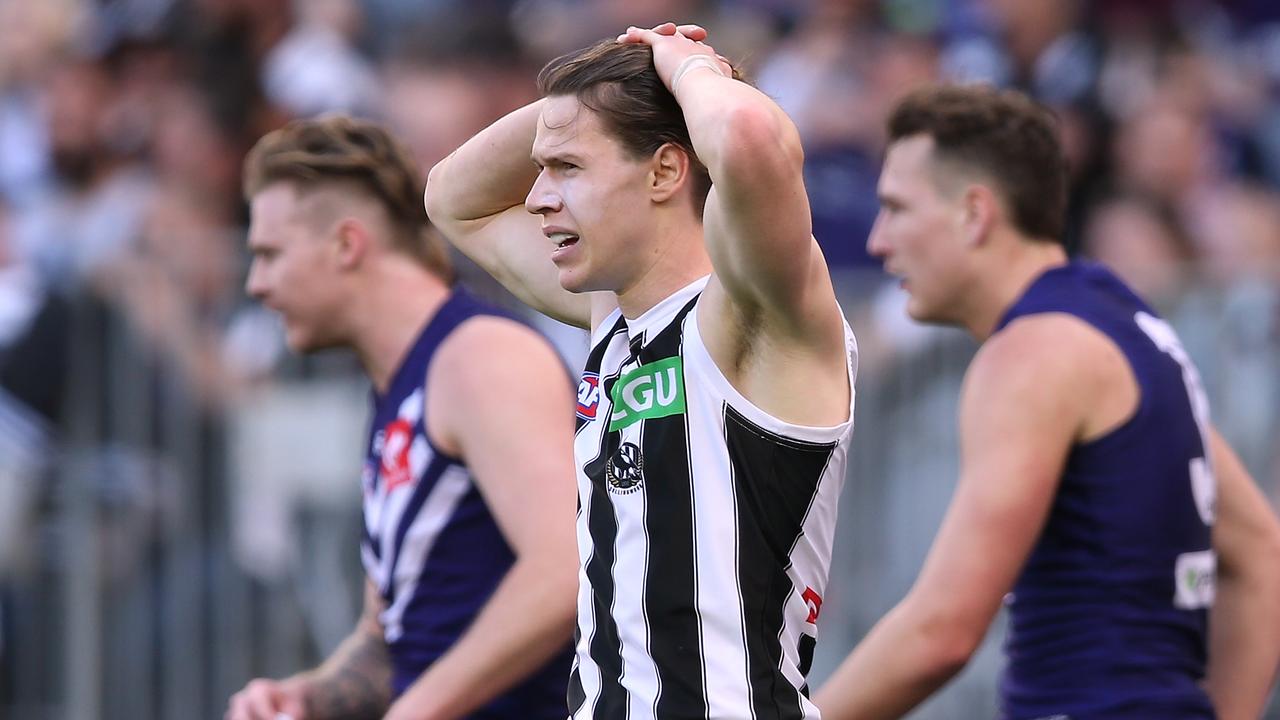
(691, 63)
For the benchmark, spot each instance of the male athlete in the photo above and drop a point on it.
(658, 201)
(1140, 565)
(468, 492)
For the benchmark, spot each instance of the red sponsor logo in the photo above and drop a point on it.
(588, 396)
(397, 438)
(814, 601)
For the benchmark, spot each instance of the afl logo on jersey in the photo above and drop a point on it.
(588, 396)
(625, 469)
(397, 439)
(814, 601)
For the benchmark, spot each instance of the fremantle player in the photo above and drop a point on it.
(1140, 565)
(468, 489)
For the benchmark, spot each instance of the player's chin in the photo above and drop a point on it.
(575, 281)
(921, 311)
(300, 339)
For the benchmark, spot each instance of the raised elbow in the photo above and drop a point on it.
(433, 197)
(758, 140)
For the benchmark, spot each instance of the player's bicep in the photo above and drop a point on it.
(1017, 423)
(759, 237)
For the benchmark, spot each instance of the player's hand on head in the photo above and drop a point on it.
(674, 46)
(267, 700)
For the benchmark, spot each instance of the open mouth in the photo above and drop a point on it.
(563, 240)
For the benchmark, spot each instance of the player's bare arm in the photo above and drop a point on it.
(1244, 625)
(501, 400)
(476, 198)
(354, 683)
(1028, 396)
(771, 318)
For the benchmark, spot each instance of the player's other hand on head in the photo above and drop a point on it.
(697, 33)
(673, 45)
(268, 700)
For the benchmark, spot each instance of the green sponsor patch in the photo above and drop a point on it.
(650, 391)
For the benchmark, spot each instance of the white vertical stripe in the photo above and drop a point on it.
(630, 580)
(719, 597)
(450, 488)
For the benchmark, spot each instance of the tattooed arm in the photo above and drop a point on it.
(354, 683)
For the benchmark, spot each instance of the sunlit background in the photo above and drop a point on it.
(179, 497)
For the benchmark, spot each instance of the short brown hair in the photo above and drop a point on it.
(618, 81)
(1002, 134)
(340, 149)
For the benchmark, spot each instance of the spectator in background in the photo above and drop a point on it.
(317, 67)
(1145, 243)
(95, 207)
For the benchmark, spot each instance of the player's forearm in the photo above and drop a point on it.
(354, 683)
(895, 667)
(490, 173)
(1244, 629)
(736, 130)
(528, 619)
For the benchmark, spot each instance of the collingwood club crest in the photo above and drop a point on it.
(625, 469)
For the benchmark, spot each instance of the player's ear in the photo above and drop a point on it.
(981, 211)
(351, 242)
(669, 171)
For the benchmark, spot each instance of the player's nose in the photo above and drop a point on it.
(542, 197)
(255, 286)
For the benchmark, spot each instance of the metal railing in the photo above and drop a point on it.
(164, 550)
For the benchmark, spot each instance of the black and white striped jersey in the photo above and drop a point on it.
(704, 531)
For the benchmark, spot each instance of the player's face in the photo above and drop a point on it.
(917, 232)
(293, 270)
(591, 196)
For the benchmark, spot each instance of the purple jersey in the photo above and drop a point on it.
(430, 544)
(1109, 616)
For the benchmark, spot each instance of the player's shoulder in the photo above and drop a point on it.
(485, 343)
(1053, 347)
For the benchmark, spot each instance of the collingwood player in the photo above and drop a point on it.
(657, 200)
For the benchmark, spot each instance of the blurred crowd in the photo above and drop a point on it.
(123, 124)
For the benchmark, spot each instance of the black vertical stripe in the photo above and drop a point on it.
(575, 695)
(605, 647)
(808, 644)
(594, 359)
(775, 481)
(671, 572)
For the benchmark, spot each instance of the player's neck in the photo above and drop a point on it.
(1012, 275)
(679, 260)
(389, 315)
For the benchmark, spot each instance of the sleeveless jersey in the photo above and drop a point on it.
(1109, 616)
(704, 531)
(430, 544)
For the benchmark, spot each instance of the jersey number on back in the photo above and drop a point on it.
(1194, 572)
